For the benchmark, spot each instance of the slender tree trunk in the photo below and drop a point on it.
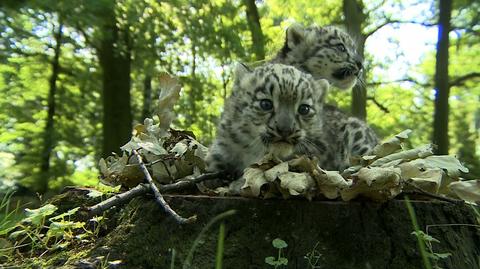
(354, 19)
(195, 87)
(147, 97)
(442, 89)
(48, 135)
(255, 27)
(116, 65)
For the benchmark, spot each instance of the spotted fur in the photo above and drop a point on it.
(324, 52)
(280, 110)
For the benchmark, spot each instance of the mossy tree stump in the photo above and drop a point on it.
(357, 234)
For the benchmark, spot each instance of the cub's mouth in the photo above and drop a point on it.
(282, 150)
(280, 147)
(345, 78)
(345, 73)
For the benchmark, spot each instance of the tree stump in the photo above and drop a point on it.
(358, 234)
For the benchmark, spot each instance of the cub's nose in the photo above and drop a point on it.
(284, 132)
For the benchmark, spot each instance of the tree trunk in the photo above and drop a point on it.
(48, 135)
(442, 89)
(116, 65)
(147, 97)
(255, 27)
(195, 87)
(354, 18)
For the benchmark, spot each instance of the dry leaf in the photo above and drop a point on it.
(330, 183)
(254, 181)
(169, 94)
(376, 183)
(407, 155)
(468, 191)
(430, 180)
(296, 183)
(391, 145)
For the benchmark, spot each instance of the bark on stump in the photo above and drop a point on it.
(347, 234)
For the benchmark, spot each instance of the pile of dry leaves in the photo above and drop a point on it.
(171, 155)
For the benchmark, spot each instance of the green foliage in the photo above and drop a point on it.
(279, 261)
(41, 230)
(428, 240)
(8, 217)
(421, 243)
(429, 256)
(220, 247)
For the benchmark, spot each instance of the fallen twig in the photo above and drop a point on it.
(124, 197)
(418, 190)
(118, 199)
(159, 197)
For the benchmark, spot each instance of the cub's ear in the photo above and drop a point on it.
(295, 35)
(241, 69)
(321, 88)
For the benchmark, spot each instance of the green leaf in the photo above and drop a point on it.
(270, 260)
(57, 229)
(94, 193)
(443, 255)
(282, 261)
(36, 216)
(66, 214)
(16, 234)
(279, 243)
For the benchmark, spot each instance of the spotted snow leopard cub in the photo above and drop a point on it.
(324, 52)
(278, 109)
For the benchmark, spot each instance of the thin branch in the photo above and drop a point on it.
(427, 227)
(458, 81)
(455, 81)
(418, 190)
(388, 21)
(141, 189)
(382, 107)
(23, 53)
(378, 27)
(118, 199)
(408, 79)
(159, 197)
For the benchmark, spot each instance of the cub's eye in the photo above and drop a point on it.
(266, 104)
(304, 109)
(341, 47)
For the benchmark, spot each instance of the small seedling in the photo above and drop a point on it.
(313, 257)
(428, 240)
(278, 244)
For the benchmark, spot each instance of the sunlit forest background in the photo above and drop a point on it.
(75, 76)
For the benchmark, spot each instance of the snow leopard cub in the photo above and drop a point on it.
(324, 52)
(280, 110)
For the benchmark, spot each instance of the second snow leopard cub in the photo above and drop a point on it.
(280, 110)
(324, 52)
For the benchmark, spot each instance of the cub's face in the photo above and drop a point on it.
(324, 52)
(281, 105)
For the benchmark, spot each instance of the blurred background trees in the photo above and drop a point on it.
(76, 75)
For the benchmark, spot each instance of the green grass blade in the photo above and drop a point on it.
(220, 247)
(421, 243)
(196, 243)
